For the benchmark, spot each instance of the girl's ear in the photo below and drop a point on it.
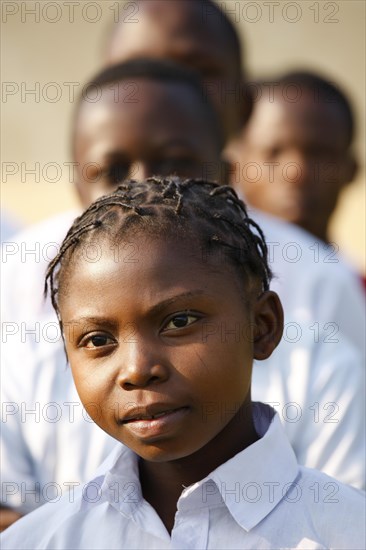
(268, 321)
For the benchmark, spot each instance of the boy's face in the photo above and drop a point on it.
(152, 330)
(139, 129)
(191, 34)
(293, 159)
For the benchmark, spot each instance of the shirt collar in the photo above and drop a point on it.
(250, 484)
(116, 481)
(265, 471)
(254, 481)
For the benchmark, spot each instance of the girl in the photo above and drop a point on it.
(162, 292)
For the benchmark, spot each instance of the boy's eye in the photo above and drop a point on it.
(181, 320)
(275, 151)
(97, 341)
(117, 172)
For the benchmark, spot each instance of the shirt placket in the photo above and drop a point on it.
(190, 529)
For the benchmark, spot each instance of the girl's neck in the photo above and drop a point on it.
(163, 482)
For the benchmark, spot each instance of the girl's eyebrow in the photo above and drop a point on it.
(92, 320)
(154, 310)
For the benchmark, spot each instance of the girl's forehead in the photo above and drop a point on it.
(162, 255)
(142, 271)
(140, 247)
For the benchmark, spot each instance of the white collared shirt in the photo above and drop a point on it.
(260, 498)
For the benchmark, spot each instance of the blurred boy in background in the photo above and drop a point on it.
(197, 35)
(300, 138)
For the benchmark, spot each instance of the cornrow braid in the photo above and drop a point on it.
(211, 213)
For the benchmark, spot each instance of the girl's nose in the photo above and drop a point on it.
(140, 367)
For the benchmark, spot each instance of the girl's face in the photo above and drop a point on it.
(161, 344)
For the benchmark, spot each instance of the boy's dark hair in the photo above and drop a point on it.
(209, 9)
(225, 21)
(323, 91)
(207, 214)
(161, 71)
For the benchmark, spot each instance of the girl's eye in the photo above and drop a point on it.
(180, 321)
(98, 341)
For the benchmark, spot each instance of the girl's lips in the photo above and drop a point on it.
(157, 424)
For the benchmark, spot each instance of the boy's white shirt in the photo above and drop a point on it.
(260, 498)
(9, 225)
(316, 286)
(318, 388)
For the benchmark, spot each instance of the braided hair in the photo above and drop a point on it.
(210, 213)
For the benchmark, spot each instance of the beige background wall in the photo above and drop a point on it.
(57, 47)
